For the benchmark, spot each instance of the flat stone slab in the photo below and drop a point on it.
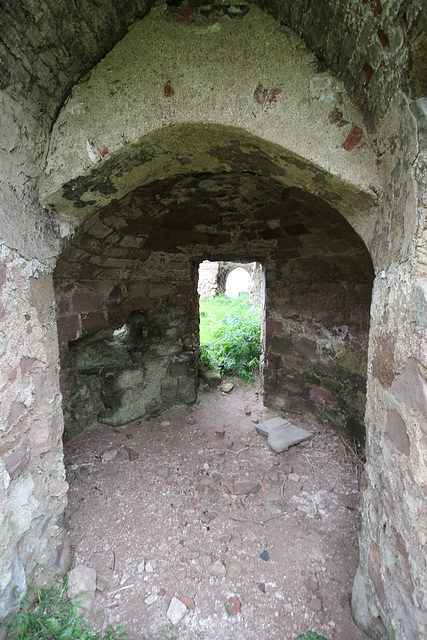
(282, 434)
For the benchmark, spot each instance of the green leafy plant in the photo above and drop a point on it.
(230, 334)
(54, 617)
(310, 635)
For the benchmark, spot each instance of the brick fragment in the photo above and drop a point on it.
(189, 602)
(383, 38)
(233, 606)
(369, 72)
(352, 139)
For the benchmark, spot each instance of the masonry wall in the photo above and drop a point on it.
(316, 340)
(389, 594)
(128, 345)
(33, 488)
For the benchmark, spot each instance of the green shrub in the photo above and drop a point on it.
(230, 334)
(310, 635)
(54, 617)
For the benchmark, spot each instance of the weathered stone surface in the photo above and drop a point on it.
(176, 611)
(234, 569)
(217, 569)
(244, 487)
(82, 586)
(420, 310)
(282, 434)
(17, 459)
(396, 429)
(14, 578)
(213, 378)
(410, 387)
(319, 275)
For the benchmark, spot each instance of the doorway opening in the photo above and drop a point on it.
(230, 318)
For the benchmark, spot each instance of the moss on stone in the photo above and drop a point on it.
(418, 72)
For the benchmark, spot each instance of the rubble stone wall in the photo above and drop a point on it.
(389, 594)
(208, 285)
(128, 346)
(33, 488)
(317, 329)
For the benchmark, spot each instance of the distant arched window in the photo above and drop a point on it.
(237, 281)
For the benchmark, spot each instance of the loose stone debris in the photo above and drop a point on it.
(282, 434)
(81, 586)
(220, 537)
(176, 611)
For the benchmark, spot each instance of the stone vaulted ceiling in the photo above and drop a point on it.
(47, 45)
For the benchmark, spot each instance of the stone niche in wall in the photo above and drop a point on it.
(126, 344)
(124, 375)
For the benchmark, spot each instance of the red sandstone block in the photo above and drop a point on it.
(17, 459)
(396, 429)
(64, 306)
(116, 319)
(45, 385)
(140, 304)
(17, 410)
(92, 322)
(83, 302)
(25, 364)
(68, 328)
(320, 393)
(274, 326)
(410, 388)
(352, 139)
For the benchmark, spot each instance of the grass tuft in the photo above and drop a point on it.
(230, 334)
(54, 617)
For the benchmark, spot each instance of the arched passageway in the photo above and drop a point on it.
(210, 95)
(135, 261)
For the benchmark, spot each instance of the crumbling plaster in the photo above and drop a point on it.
(214, 71)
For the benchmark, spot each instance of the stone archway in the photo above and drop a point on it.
(222, 111)
(137, 255)
(306, 185)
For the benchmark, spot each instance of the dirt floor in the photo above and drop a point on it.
(164, 519)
